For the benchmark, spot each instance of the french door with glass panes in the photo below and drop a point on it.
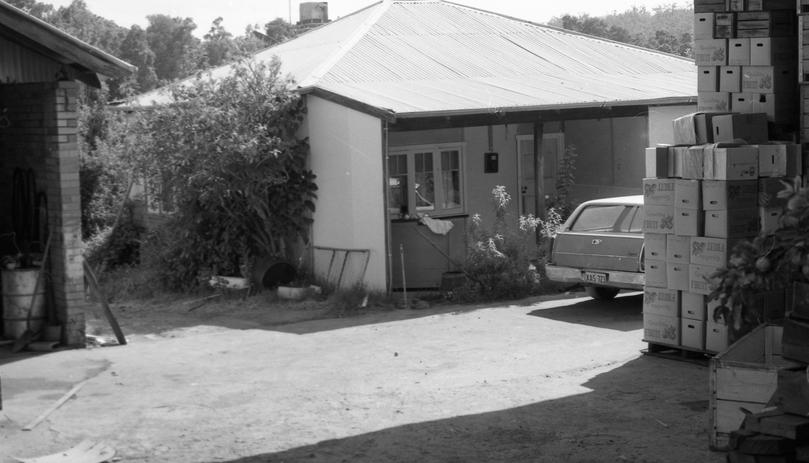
(425, 180)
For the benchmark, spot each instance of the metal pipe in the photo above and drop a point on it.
(404, 281)
(385, 194)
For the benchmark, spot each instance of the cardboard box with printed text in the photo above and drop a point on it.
(725, 194)
(661, 301)
(660, 329)
(655, 246)
(732, 223)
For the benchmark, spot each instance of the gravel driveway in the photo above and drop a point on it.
(537, 380)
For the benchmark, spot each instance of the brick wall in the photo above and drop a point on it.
(42, 135)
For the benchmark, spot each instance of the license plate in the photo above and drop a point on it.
(594, 277)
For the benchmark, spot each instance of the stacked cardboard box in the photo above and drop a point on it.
(803, 72)
(745, 51)
(701, 196)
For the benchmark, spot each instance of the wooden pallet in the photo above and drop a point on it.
(680, 353)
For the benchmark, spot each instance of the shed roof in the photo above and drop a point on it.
(414, 58)
(84, 59)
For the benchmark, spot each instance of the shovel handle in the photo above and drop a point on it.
(42, 269)
(26, 337)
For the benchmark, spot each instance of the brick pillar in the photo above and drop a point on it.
(64, 204)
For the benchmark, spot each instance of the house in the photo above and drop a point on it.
(43, 69)
(422, 107)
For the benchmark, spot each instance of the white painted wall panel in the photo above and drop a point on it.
(660, 117)
(347, 158)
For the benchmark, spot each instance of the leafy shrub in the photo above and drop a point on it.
(348, 301)
(560, 202)
(500, 262)
(768, 262)
(158, 248)
(104, 173)
(116, 246)
(547, 229)
(129, 282)
(225, 158)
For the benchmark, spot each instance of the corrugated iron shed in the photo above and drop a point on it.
(413, 58)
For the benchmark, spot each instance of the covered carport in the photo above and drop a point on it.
(43, 72)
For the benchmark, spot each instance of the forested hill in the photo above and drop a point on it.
(665, 28)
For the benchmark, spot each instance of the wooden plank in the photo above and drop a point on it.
(713, 436)
(802, 453)
(739, 457)
(85, 452)
(792, 394)
(782, 425)
(518, 115)
(381, 113)
(746, 385)
(737, 437)
(719, 441)
(53, 407)
(709, 6)
(744, 376)
(796, 340)
(766, 445)
(773, 344)
(119, 335)
(748, 349)
(728, 415)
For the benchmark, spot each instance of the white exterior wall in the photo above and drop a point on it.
(660, 126)
(346, 156)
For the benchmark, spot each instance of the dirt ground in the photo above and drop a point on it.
(611, 405)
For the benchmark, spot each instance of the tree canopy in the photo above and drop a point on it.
(666, 28)
(227, 156)
(165, 51)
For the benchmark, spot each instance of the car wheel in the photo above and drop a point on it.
(601, 293)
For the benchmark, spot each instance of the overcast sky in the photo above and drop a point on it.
(238, 14)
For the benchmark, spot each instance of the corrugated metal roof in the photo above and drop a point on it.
(59, 45)
(431, 56)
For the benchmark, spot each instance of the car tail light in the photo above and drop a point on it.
(549, 257)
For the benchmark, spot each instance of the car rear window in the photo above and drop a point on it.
(634, 220)
(609, 218)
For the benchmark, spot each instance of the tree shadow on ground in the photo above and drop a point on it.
(386, 316)
(647, 410)
(265, 313)
(624, 313)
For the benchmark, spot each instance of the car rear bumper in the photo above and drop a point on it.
(623, 280)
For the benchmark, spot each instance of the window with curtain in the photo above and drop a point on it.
(425, 181)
